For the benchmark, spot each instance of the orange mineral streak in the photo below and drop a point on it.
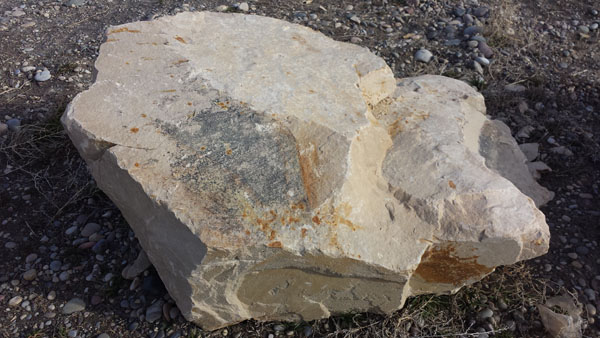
(451, 184)
(440, 264)
(276, 244)
(339, 215)
(309, 161)
(134, 130)
(168, 91)
(178, 62)
(180, 39)
(137, 164)
(122, 30)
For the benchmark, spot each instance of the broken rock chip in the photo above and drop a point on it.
(270, 172)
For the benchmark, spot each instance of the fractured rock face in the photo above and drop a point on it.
(270, 172)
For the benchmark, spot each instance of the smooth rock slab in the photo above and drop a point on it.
(270, 172)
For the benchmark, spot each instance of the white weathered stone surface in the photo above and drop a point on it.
(270, 172)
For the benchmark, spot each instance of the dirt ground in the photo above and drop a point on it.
(539, 74)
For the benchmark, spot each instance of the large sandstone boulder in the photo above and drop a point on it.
(270, 172)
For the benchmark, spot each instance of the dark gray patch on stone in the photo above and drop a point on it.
(230, 149)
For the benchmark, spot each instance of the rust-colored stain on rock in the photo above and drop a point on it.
(451, 184)
(440, 264)
(316, 220)
(180, 39)
(276, 244)
(395, 127)
(178, 62)
(134, 130)
(122, 30)
(309, 161)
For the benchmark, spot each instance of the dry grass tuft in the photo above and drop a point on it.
(43, 153)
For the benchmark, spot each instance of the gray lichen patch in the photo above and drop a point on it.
(229, 153)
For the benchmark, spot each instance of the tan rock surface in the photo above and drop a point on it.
(270, 172)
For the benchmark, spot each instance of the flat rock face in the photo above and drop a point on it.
(270, 172)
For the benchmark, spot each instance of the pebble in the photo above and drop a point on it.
(582, 250)
(51, 295)
(479, 38)
(133, 326)
(584, 29)
(594, 26)
(74, 305)
(486, 313)
(481, 11)
(473, 43)
(468, 19)
(55, 265)
(72, 333)
(222, 8)
(26, 69)
(154, 312)
(64, 276)
(31, 258)
(10, 245)
(3, 128)
(423, 55)
(244, 7)
(90, 229)
(103, 335)
(590, 294)
(515, 88)
(477, 67)
(591, 309)
(42, 76)
(483, 61)
(96, 300)
(502, 305)
(355, 19)
(15, 301)
(13, 124)
(99, 246)
(30, 274)
(76, 3)
(174, 313)
(472, 30)
(71, 230)
(485, 50)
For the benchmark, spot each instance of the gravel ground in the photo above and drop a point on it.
(64, 244)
